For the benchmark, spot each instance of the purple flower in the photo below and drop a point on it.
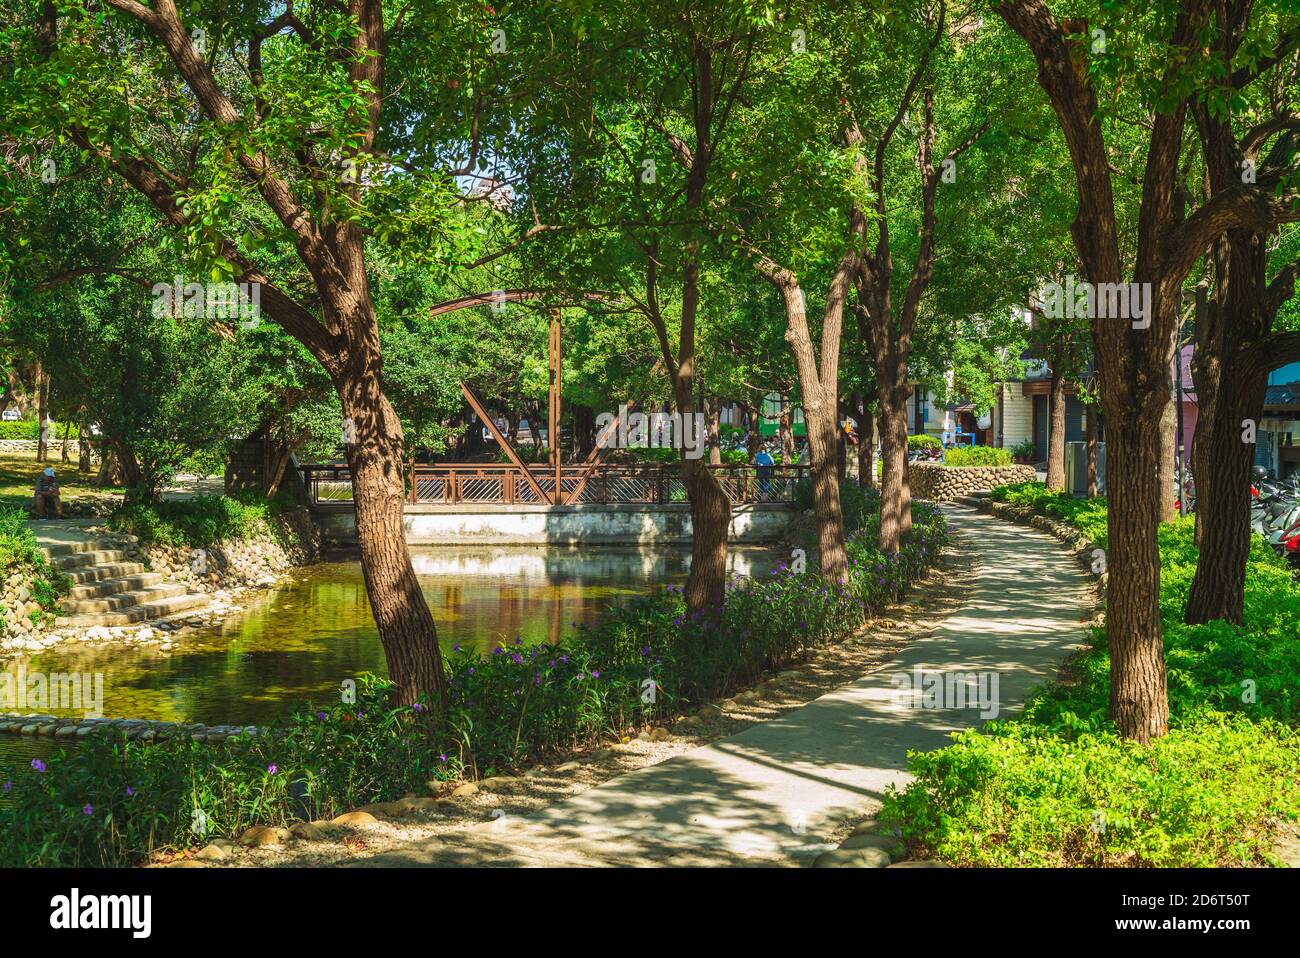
(551, 664)
(498, 650)
(564, 659)
(595, 673)
(519, 640)
(442, 757)
(516, 658)
(88, 809)
(38, 765)
(130, 792)
(471, 670)
(645, 650)
(456, 647)
(8, 786)
(418, 707)
(321, 715)
(272, 769)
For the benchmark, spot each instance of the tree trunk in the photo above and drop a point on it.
(1139, 703)
(16, 392)
(753, 434)
(67, 431)
(42, 411)
(786, 430)
(715, 432)
(1222, 470)
(1056, 432)
(1056, 428)
(710, 520)
(406, 628)
(1090, 419)
(893, 456)
(1169, 491)
(866, 446)
(83, 445)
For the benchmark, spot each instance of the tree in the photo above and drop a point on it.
(273, 130)
(1134, 359)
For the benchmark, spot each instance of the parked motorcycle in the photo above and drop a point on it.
(1275, 512)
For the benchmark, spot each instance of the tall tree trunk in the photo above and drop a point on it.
(710, 521)
(67, 431)
(895, 504)
(786, 430)
(406, 628)
(1139, 702)
(715, 431)
(1090, 419)
(42, 411)
(866, 445)
(83, 444)
(1056, 427)
(1222, 469)
(1169, 491)
(17, 394)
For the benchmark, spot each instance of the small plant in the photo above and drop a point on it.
(977, 456)
(923, 442)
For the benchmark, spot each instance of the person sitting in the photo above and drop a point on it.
(47, 493)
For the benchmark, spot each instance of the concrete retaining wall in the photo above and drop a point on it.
(563, 525)
(940, 483)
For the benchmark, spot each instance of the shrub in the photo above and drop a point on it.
(922, 441)
(1023, 449)
(113, 802)
(977, 456)
(19, 552)
(31, 429)
(200, 521)
(1036, 790)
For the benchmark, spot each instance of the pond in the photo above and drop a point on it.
(299, 642)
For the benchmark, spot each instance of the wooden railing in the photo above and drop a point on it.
(472, 484)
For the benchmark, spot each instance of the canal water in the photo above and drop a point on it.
(299, 642)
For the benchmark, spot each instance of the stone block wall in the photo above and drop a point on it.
(940, 483)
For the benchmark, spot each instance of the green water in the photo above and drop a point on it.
(299, 642)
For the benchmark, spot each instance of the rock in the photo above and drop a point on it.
(600, 754)
(852, 858)
(885, 842)
(919, 863)
(727, 704)
(463, 791)
(568, 767)
(747, 697)
(212, 853)
(260, 835)
(868, 827)
(185, 863)
(493, 782)
(306, 831)
(660, 734)
(355, 818)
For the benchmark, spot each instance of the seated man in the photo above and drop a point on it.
(47, 493)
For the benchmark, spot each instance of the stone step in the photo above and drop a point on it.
(123, 600)
(126, 583)
(97, 573)
(54, 550)
(80, 560)
(141, 612)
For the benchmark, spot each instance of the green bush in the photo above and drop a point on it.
(112, 802)
(923, 441)
(977, 456)
(1023, 448)
(19, 552)
(1058, 786)
(31, 429)
(200, 521)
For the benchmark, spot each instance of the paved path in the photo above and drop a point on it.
(775, 792)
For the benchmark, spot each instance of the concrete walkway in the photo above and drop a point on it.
(774, 793)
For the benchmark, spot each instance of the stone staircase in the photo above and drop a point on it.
(108, 587)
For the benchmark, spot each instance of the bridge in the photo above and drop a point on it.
(470, 485)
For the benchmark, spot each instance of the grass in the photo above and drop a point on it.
(18, 472)
(1058, 786)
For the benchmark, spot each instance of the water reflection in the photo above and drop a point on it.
(299, 642)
